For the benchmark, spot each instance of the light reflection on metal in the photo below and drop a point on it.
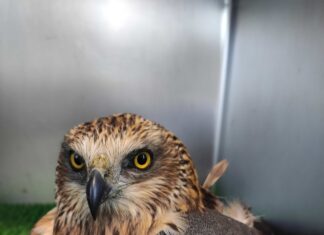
(225, 30)
(118, 14)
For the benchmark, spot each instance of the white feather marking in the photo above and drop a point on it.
(236, 210)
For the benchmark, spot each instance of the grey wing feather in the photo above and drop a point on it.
(212, 222)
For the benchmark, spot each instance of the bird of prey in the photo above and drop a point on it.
(124, 174)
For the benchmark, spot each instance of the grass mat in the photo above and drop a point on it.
(19, 219)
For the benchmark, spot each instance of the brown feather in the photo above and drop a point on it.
(216, 172)
(45, 225)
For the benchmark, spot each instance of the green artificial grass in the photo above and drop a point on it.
(19, 219)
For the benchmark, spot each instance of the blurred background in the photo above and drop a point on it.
(237, 80)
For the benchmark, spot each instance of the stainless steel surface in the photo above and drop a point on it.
(64, 62)
(274, 133)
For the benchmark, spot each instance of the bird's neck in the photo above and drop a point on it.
(149, 218)
(144, 223)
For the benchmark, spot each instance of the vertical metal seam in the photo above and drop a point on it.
(226, 25)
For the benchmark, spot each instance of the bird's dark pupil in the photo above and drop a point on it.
(77, 159)
(141, 159)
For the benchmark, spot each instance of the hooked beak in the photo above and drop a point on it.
(96, 189)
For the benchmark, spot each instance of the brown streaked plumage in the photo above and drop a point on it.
(108, 195)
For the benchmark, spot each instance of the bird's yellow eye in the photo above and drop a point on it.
(76, 161)
(142, 160)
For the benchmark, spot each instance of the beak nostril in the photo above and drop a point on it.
(106, 175)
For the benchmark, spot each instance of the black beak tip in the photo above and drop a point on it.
(94, 214)
(93, 210)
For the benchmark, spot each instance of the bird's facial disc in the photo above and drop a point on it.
(105, 179)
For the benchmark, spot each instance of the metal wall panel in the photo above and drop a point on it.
(274, 134)
(64, 62)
